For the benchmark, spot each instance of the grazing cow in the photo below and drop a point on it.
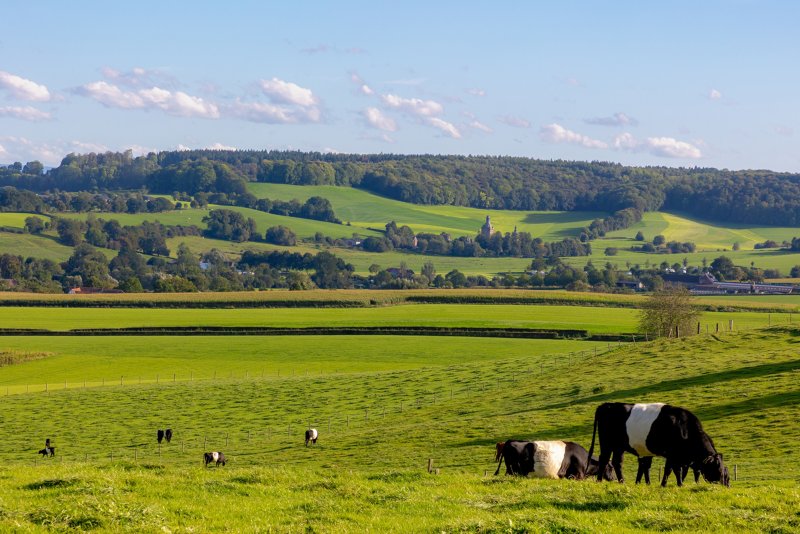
(48, 451)
(311, 435)
(655, 429)
(160, 436)
(168, 435)
(548, 459)
(215, 456)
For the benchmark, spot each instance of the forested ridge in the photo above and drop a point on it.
(752, 196)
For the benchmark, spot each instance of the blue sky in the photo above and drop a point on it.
(694, 83)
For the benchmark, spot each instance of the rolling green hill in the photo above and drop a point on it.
(367, 213)
(383, 406)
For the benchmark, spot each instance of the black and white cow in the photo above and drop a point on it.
(311, 436)
(47, 451)
(160, 436)
(548, 459)
(215, 456)
(655, 429)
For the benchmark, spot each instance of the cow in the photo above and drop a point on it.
(160, 436)
(311, 436)
(215, 456)
(547, 459)
(47, 451)
(655, 429)
(168, 435)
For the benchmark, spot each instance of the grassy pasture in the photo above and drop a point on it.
(615, 320)
(367, 472)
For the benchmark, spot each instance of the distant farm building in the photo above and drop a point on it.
(487, 229)
(707, 284)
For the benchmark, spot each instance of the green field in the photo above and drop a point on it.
(383, 405)
(367, 213)
(615, 320)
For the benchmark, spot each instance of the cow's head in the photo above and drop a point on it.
(714, 469)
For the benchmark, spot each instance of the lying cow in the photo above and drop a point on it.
(548, 459)
(215, 456)
(311, 436)
(655, 429)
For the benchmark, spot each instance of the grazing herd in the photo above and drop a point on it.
(644, 430)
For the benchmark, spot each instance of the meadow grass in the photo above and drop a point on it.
(368, 470)
(541, 317)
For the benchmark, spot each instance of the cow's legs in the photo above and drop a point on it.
(602, 462)
(679, 475)
(645, 464)
(616, 463)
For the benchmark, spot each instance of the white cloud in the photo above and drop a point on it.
(366, 90)
(446, 127)
(617, 119)
(49, 153)
(666, 147)
(555, 133)
(377, 119)
(220, 146)
(480, 126)
(139, 77)
(288, 93)
(272, 114)
(477, 92)
(413, 106)
(713, 94)
(27, 113)
(22, 88)
(175, 103)
(516, 122)
(669, 147)
(3, 152)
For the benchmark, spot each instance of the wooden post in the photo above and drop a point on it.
(698, 327)
(735, 472)
(717, 331)
(769, 319)
(430, 465)
(173, 376)
(730, 325)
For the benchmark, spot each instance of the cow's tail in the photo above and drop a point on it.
(502, 456)
(591, 447)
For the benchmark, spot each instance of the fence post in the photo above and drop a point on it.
(430, 465)
(735, 472)
(730, 325)
(698, 327)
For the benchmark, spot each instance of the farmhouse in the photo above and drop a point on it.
(707, 284)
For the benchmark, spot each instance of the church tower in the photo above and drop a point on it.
(487, 229)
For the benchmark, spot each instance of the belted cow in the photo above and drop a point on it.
(215, 456)
(547, 459)
(655, 429)
(311, 436)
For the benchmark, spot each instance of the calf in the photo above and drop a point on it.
(311, 436)
(215, 456)
(655, 430)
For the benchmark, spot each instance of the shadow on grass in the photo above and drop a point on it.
(681, 383)
(51, 483)
(590, 506)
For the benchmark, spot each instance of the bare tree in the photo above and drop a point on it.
(669, 313)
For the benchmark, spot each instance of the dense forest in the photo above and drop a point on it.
(757, 196)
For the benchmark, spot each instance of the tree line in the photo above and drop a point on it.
(750, 196)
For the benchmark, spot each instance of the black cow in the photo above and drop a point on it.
(548, 459)
(168, 435)
(215, 456)
(655, 430)
(311, 436)
(160, 436)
